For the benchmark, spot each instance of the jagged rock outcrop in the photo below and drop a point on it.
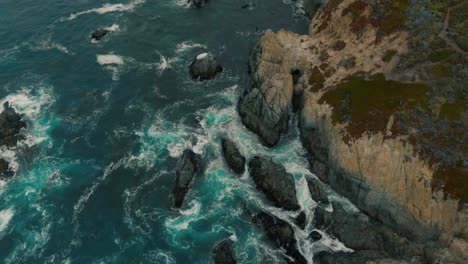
(205, 67)
(355, 44)
(233, 157)
(11, 124)
(187, 167)
(281, 234)
(265, 107)
(5, 171)
(224, 252)
(197, 3)
(312, 6)
(99, 34)
(273, 180)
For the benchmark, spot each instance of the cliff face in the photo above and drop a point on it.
(360, 115)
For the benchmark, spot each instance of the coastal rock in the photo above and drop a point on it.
(224, 253)
(281, 234)
(186, 168)
(382, 171)
(99, 34)
(197, 3)
(205, 67)
(369, 239)
(10, 126)
(233, 157)
(265, 107)
(273, 180)
(317, 191)
(5, 171)
(312, 6)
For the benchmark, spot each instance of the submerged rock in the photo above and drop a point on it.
(99, 34)
(197, 3)
(224, 253)
(281, 234)
(10, 126)
(205, 67)
(315, 236)
(273, 180)
(186, 168)
(5, 171)
(233, 157)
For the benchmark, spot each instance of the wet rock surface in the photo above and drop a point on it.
(11, 124)
(187, 167)
(197, 3)
(99, 34)
(273, 180)
(224, 252)
(233, 157)
(5, 171)
(205, 67)
(369, 239)
(281, 234)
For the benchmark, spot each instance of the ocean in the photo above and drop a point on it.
(108, 119)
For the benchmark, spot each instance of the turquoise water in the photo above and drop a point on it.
(107, 120)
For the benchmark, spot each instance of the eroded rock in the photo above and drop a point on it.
(10, 126)
(224, 252)
(233, 157)
(273, 180)
(187, 167)
(99, 34)
(205, 67)
(281, 234)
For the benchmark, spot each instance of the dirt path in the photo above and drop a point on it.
(443, 33)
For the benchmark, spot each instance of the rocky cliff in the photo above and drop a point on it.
(382, 109)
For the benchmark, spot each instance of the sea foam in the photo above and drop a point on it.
(5, 217)
(108, 8)
(110, 59)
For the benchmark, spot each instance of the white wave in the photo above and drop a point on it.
(78, 207)
(202, 56)
(107, 8)
(113, 28)
(165, 63)
(5, 217)
(188, 45)
(183, 3)
(110, 59)
(48, 44)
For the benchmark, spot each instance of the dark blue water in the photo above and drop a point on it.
(107, 120)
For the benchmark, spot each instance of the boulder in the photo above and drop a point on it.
(224, 253)
(10, 126)
(5, 171)
(315, 236)
(99, 34)
(197, 3)
(186, 168)
(233, 157)
(273, 180)
(205, 67)
(281, 234)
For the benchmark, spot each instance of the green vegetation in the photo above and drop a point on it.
(367, 104)
(316, 80)
(389, 54)
(393, 16)
(326, 13)
(458, 23)
(440, 71)
(440, 55)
